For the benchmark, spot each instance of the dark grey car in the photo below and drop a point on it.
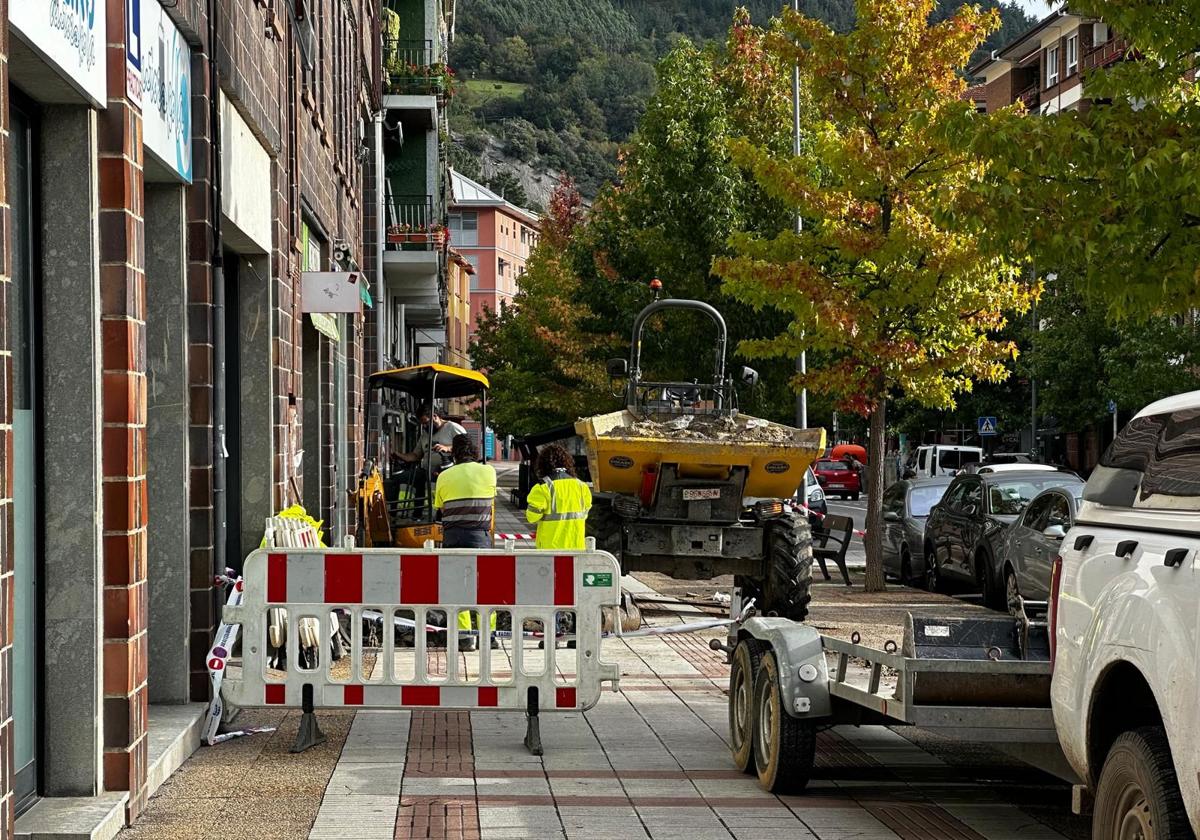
(906, 506)
(1032, 541)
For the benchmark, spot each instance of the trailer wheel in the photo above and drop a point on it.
(1138, 795)
(788, 587)
(746, 659)
(784, 747)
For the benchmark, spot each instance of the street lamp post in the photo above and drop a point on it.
(802, 360)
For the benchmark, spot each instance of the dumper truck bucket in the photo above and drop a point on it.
(622, 446)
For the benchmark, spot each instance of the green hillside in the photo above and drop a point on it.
(587, 68)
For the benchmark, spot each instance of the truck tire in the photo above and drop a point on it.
(784, 747)
(1138, 793)
(787, 590)
(605, 527)
(746, 659)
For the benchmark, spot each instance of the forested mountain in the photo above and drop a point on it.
(550, 85)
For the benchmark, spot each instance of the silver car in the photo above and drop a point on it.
(906, 506)
(1033, 540)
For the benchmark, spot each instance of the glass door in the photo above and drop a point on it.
(26, 432)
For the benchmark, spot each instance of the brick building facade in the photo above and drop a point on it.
(158, 365)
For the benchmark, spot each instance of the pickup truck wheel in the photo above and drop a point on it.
(788, 588)
(784, 747)
(1138, 795)
(746, 659)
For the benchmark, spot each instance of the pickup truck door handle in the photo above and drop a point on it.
(1083, 541)
(1125, 549)
(1175, 557)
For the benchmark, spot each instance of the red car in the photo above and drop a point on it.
(837, 478)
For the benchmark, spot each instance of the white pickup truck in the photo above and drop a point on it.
(1125, 630)
(1104, 693)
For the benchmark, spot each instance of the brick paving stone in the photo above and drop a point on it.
(652, 762)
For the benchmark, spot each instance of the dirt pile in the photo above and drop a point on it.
(705, 427)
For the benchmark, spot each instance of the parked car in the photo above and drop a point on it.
(1015, 467)
(1032, 542)
(964, 530)
(906, 506)
(837, 477)
(941, 459)
(1125, 629)
(814, 497)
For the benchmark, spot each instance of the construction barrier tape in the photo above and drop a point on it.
(515, 536)
(858, 532)
(217, 659)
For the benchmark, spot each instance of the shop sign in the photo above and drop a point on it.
(133, 49)
(71, 35)
(330, 291)
(165, 87)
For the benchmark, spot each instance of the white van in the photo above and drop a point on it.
(943, 459)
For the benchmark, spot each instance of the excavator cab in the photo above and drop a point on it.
(395, 499)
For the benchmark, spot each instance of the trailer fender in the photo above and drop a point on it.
(803, 671)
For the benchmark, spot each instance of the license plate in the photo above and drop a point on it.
(701, 493)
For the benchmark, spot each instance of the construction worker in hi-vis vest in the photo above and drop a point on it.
(465, 496)
(559, 504)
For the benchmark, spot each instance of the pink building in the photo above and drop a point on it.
(495, 236)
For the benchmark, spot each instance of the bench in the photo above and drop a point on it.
(831, 542)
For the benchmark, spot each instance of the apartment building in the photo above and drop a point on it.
(495, 236)
(1046, 68)
(411, 161)
(169, 171)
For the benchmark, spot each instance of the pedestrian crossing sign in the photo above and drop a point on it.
(988, 426)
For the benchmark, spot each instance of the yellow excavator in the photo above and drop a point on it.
(395, 503)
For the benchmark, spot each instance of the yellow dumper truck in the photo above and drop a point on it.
(686, 485)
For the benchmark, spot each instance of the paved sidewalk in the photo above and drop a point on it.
(649, 762)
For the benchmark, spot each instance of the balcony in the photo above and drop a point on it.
(1103, 55)
(411, 225)
(1030, 97)
(410, 69)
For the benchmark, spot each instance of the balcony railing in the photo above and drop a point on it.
(410, 68)
(1102, 55)
(411, 225)
(1030, 96)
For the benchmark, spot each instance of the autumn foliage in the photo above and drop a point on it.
(884, 282)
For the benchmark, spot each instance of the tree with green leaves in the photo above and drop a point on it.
(1111, 191)
(882, 280)
(546, 367)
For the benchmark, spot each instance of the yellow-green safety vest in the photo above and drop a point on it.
(559, 506)
(466, 494)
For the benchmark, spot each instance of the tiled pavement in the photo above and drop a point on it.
(648, 762)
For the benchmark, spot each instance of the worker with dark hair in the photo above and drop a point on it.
(466, 498)
(559, 505)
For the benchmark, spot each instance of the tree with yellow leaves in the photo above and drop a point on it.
(883, 280)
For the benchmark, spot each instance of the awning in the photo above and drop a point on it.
(325, 324)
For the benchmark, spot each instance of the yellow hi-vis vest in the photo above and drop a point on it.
(466, 494)
(559, 506)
